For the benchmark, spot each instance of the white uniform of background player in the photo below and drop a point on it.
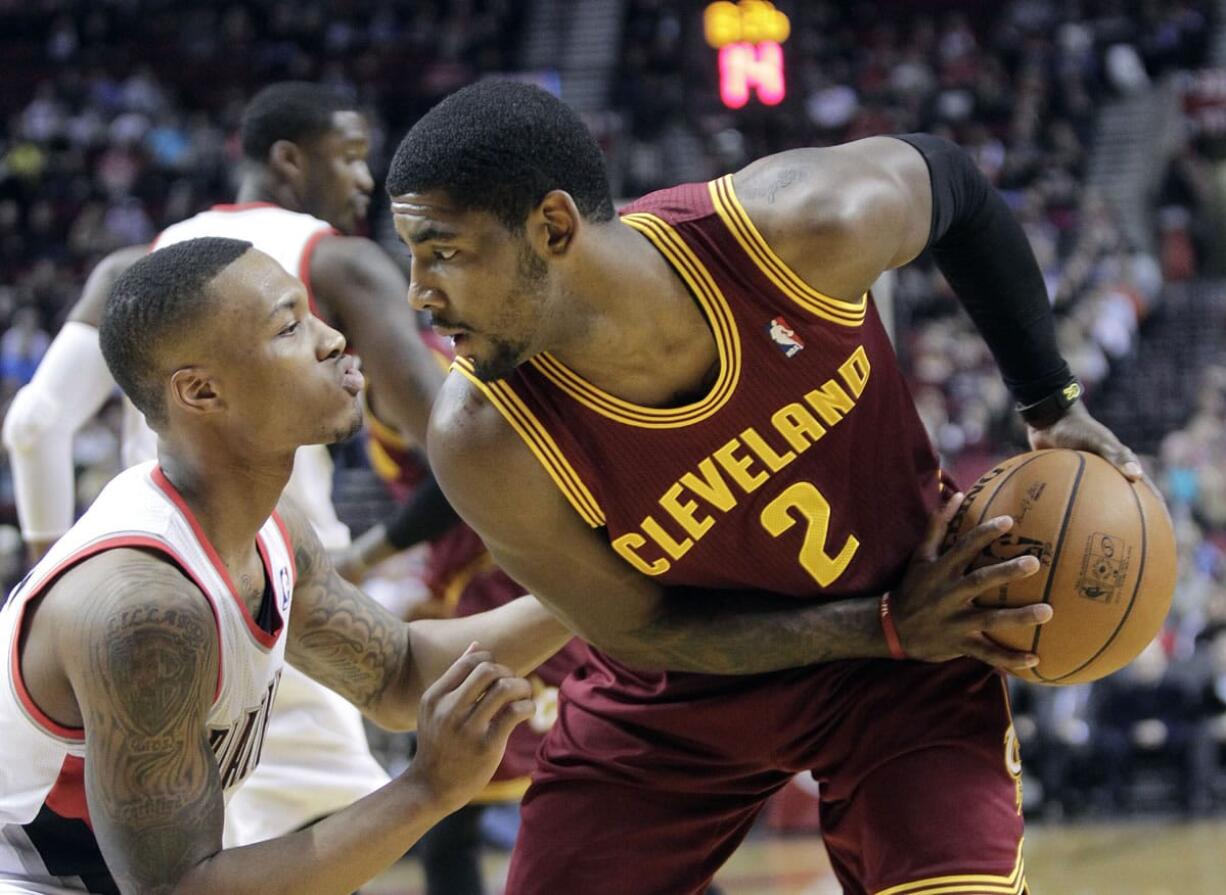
(315, 758)
(42, 763)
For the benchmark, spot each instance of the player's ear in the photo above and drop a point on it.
(193, 390)
(287, 160)
(560, 219)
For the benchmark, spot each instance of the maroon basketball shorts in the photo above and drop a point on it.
(647, 784)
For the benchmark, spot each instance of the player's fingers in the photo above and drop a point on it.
(479, 680)
(983, 648)
(512, 714)
(1120, 456)
(1016, 617)
(500, 693)
(987, 578)
(455, 675)
(974, 542)
(938, 525)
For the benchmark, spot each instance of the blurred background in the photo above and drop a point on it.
(1102, 122)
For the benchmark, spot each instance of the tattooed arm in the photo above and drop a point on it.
(348, 642)
(142, 669)
(136, 644)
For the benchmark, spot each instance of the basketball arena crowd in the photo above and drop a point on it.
(118, 117)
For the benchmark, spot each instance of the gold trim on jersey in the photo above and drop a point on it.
(723, 326)
(454, 588)
(967, 884)
(736, 219)
(503, 791)
(539, 441)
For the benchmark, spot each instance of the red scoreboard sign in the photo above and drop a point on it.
(749, 36)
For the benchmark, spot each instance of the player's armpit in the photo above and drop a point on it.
(840, 216)
(142, 660)
(359, 285)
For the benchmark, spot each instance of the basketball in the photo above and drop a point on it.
(1107, 560)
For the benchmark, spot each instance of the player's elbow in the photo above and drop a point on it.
(29, 417)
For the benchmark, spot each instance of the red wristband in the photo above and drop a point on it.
(887, 628)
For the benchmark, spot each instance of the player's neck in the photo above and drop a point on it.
(231, 496)
(257, 186)
(644, 339)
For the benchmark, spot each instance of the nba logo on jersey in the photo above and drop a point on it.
(784, 337)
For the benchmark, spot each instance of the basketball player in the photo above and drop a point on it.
(462, 580)
(142, 654)
(746, 529)
(305, 186)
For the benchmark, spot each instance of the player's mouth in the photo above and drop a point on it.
(459, 335)
(352, 380)
(360, 203)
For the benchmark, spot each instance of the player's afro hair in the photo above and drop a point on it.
(155, 299)
(500, 146)
(289, 110)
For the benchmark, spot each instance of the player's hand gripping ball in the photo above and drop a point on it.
(1106, 550)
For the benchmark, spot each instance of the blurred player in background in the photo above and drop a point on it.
(685, 430)
(304, 192)
(148, 644)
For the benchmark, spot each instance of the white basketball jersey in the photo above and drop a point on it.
(290, 238)
(45, 837)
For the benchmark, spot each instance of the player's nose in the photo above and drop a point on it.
(330, 343)
(423, 297)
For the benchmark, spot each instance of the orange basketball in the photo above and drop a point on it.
(1107, 554)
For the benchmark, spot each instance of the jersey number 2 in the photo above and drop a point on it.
(813, 509)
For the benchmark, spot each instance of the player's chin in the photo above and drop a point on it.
(344, 424)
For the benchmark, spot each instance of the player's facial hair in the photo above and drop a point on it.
(527, 293)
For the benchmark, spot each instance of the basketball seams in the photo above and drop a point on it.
(1055, 555)
(1136, 591)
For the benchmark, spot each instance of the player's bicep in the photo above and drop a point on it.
(143, 673)
(533, 533)
(340, 636)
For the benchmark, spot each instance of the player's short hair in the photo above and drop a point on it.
(155, 299)
(500, 146)
(289, 110)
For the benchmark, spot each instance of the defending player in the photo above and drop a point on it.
(304, 193)
(717, 508)
(142, 654)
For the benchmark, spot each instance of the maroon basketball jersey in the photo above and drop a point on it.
(805, 470)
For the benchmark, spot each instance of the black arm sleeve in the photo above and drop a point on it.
(983, 252)
(425, 516)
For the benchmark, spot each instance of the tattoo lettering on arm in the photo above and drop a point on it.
(340, 636)
(144, 680)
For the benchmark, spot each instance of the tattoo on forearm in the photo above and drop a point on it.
(342, 637)
(729, 634)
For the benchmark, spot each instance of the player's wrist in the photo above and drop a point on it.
(889, 630)
(1052, 407)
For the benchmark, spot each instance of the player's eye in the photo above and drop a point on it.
(445, 254)
(290, 329)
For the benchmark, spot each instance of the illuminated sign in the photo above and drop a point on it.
(749, 36)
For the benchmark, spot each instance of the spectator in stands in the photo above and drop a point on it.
(1143, 720)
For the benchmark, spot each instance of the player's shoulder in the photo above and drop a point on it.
(824, 190)
(113, 593)
(465, 422)
(472, 446)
